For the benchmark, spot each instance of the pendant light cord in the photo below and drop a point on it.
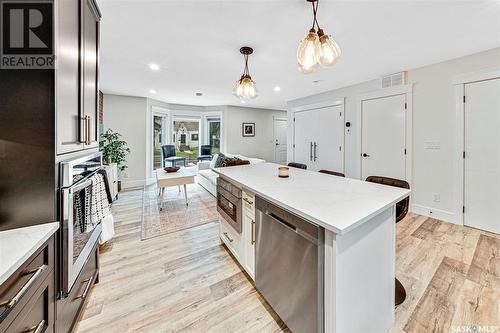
(315, 23)
(246, 71)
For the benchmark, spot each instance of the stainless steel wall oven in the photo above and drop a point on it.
(78, 233)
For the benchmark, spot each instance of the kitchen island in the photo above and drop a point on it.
(357, 244)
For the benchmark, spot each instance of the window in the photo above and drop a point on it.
(186, 134)
(159, 137)
(213, 130)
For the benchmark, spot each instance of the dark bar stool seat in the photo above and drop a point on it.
(401, 211)
(297, 165)
(333, 173)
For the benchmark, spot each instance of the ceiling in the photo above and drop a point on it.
(196, 44)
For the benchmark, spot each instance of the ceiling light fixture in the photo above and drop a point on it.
(277, 88)
(316, 47)
(154, 67)
(152, 91)
(245, 86)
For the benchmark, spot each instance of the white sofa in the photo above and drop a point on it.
(208, 178)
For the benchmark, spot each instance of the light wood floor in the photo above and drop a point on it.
(187, 281)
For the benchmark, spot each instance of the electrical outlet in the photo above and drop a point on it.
(436, 197)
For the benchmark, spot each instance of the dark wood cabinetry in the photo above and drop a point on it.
(69, 308)
(77, 77)
(27, 298)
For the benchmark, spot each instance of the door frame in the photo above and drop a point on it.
(406, 90)
(314, 106)
(459, 83)
(279, 118)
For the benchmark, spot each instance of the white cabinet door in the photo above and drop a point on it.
(304, 137)
(329, 152)
(383, 137)
(482, 155)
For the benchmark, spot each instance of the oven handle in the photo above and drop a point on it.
(79, 186)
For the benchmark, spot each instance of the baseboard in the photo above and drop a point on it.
(439, 214)
(133, 183)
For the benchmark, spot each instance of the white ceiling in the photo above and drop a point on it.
(196, 43)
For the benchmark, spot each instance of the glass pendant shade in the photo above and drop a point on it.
(305, 70)
(329, 51)
(245, 88)
(309, 50)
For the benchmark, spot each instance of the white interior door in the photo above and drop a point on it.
(330, 138)
(482, 155)
(383, 137)
(304, 137)
(279, 130)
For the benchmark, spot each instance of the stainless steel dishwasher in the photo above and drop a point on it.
(289, 270)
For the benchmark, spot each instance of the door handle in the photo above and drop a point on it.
(315, 151)
(366, 155)
(311, 152)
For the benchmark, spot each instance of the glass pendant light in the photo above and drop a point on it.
(329, 50)
(245, 87)
(309, 50)
(316, 47)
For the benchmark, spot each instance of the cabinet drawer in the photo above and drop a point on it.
(249, 203)
(21, 286)
(69, 308)
(38, 315)
(231, 238)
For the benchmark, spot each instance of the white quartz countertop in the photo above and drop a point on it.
(335, 203)
(17, 245)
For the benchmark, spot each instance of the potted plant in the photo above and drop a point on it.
(114, 150)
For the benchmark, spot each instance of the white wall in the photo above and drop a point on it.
(132, 117)
(125, 115)
(262, 144)
(434, 119)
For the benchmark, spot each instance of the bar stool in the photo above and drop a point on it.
(297, 165)
(333, 173)
(401, 211)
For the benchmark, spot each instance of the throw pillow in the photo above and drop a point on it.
(214, 161)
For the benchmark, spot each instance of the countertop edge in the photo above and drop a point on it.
(54, 226)
(312, 219)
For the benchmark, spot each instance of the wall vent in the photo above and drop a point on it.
(395, 79)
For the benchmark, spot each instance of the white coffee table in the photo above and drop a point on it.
(182, 177)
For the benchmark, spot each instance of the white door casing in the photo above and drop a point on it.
(383, 137)
(482, 155)
(279, 140)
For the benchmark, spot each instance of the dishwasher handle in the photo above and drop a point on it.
(280, 220)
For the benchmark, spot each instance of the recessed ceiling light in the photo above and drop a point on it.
(154, 67)
(199, 94)
(242, 101)
(277, 88)
(152, 91)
